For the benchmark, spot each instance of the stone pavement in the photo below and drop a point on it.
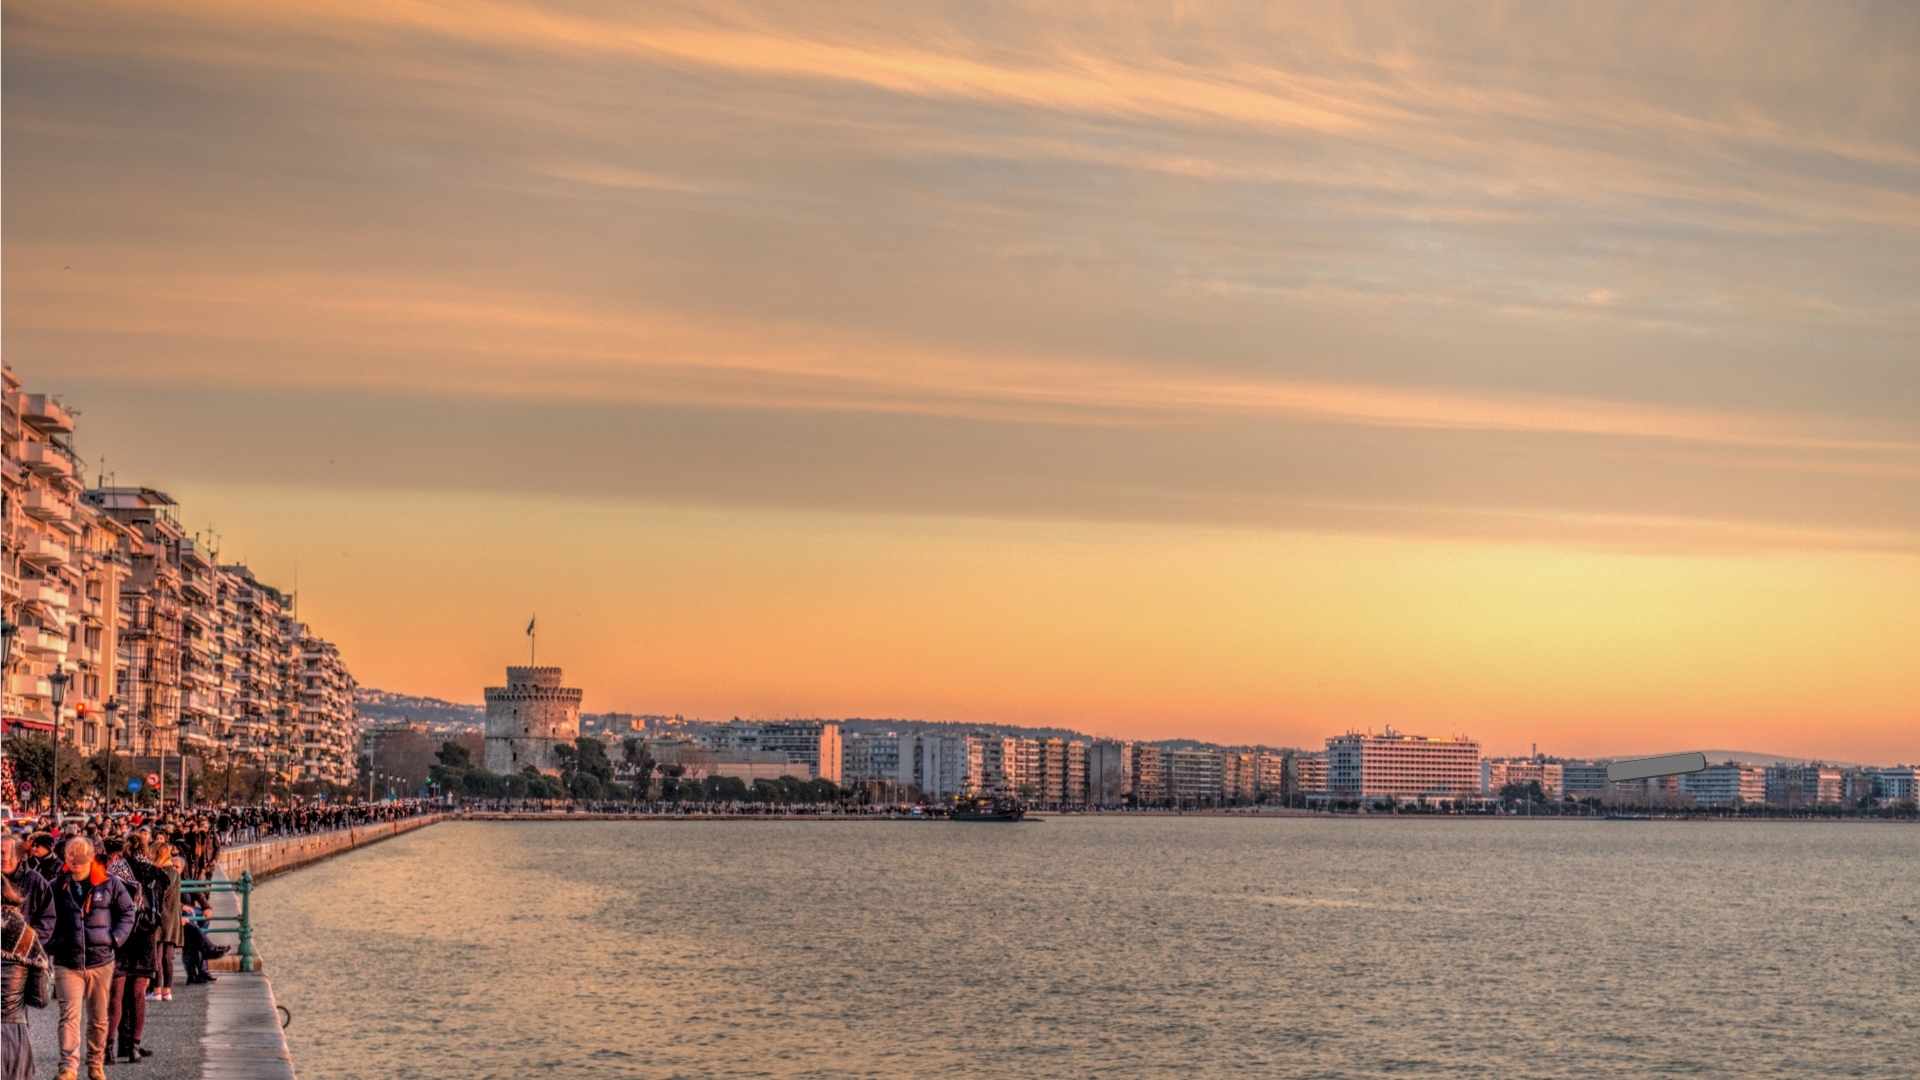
(174, 1031)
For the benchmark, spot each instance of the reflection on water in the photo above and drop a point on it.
(1194, 946)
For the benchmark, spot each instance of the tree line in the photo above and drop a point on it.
(587, 774)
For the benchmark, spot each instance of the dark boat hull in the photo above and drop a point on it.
(1013, 813)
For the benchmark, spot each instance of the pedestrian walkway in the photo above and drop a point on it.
(174, 1030)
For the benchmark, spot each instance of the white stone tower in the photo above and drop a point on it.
(528, 717)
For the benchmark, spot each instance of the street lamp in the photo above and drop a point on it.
(6, 662)
(113, 738)
(58, 681)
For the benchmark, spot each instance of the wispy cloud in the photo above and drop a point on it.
(1607, 226)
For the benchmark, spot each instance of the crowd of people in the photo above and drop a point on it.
(96, 918)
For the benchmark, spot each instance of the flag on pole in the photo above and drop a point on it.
(530, 623)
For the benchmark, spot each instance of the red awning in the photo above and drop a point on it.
(29, 724)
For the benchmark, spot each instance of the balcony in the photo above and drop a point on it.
(48, 594)
(46, 459)
(46, 505)
(27, 685)
(43, 550)
(38, 639)
(45, 413)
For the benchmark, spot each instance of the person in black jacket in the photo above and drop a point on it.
(93, 917)
(36, 896)
(40, 856)
(135, 961)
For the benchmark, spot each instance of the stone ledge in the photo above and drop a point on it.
(244, 1040)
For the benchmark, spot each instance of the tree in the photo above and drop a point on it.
(726, 789)
(590, 757)
(33, 764)
(640, 760)
(1517, 791)
(408, 755)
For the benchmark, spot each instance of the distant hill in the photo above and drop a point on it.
(386, 707)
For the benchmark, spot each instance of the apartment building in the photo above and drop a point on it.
(1857, 787)
(206, 699)
(1803, 785)
(1149, 775)
(1196, 777)
(1396, 766)
(1109, 772)
(885, 758)
(150, 684)
(1730, 783)
(951, 766)
(1306, 776)
(1269, 777)
(324, 730)
(1896, 784)
(814, 743)
(167, 652)
(1240, 777)
(1497, 773)
(1583, 779)
(1011, 765)
(60, 570)
(262, 661)
(1061, 771)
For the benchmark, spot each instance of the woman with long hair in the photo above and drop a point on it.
(168, 938)
(24, 954)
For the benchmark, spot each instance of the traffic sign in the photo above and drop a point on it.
(133, 785)
(153, 779)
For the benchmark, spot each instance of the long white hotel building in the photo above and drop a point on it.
(1396, 766)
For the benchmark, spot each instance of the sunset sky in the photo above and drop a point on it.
(1547, 373)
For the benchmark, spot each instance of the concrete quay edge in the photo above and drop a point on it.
(243, 1039)
(269, 857)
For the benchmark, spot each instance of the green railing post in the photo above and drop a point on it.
(248, 961)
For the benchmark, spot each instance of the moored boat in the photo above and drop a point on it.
(987, 810)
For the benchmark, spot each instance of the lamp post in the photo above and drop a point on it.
(113, 737)
(6, 666)
(58, 682)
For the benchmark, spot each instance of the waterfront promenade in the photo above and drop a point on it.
(230, 1029)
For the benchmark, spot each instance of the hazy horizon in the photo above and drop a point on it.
(1545, 374)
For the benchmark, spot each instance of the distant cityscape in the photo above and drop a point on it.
(1057, 768)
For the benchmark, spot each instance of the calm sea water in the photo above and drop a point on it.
(1109, 947)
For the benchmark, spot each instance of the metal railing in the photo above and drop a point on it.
(242, 923)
